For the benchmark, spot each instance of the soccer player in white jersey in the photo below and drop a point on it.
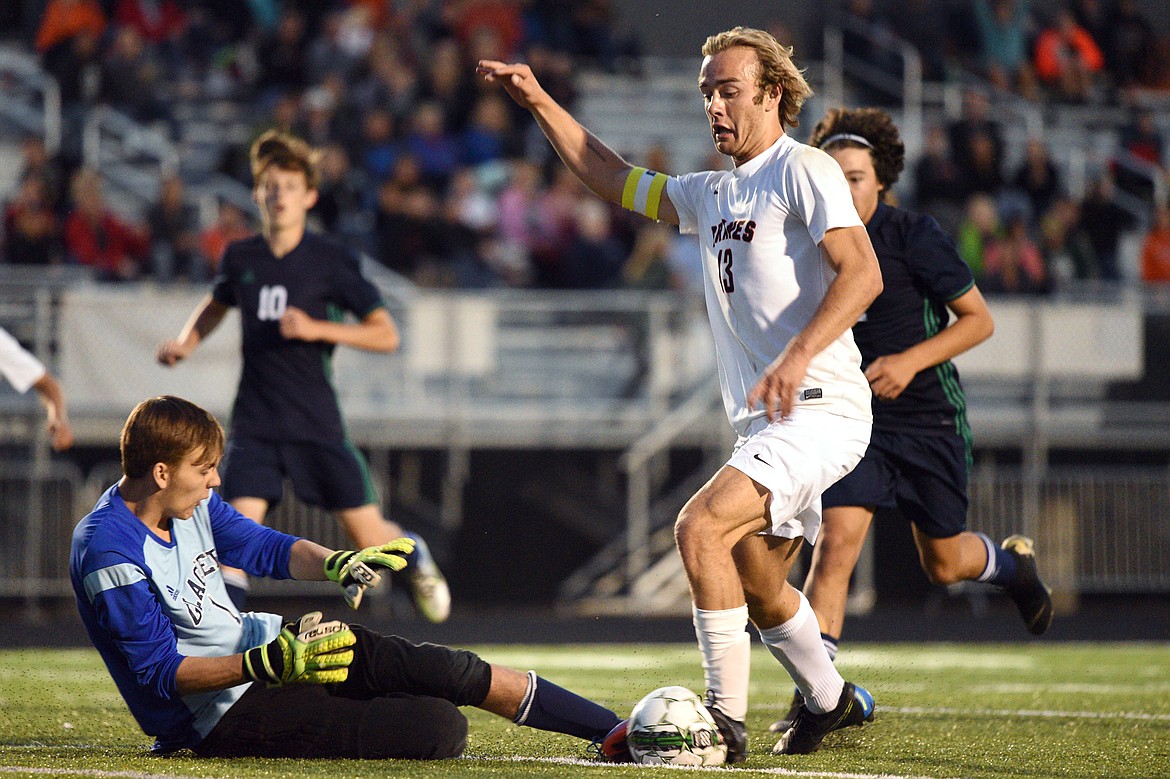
(25, 372)
(788, 268)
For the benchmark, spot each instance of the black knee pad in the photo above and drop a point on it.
(412, 728)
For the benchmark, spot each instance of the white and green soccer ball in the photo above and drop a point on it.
(671, 726)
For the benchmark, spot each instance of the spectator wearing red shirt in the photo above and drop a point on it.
(96, 238)
(1067, 58)
(156, 22)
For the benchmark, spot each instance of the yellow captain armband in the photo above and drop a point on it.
(643, 192)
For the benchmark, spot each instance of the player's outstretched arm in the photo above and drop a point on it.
(53, 398)
(858, 282)
(353, 571)
(375, 333)
(889, 374)
(205, 318)
(597, 166)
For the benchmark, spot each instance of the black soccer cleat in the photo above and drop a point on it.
(733, 731)
(854, 707)
(782, 725)
(1032, 597)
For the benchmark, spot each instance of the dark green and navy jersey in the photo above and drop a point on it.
(921, 273)
(286, 389)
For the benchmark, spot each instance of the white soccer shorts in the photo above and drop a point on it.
(796, 459)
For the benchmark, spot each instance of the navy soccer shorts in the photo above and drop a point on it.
(331, 475)
(923, 475)
(400, 701)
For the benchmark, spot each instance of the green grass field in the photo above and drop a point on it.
(945, 710)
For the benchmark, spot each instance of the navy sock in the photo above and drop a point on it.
(548, 707)
(1001, 566)
(1005, 569)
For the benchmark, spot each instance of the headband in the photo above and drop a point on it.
(845, 137)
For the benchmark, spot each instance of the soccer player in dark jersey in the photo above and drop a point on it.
(293, 288)
(198, 674)
(920, 451)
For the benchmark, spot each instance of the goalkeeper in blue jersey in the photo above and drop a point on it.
(198, 674)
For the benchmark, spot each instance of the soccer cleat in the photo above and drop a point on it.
(782, 725)
(854, 707)
(432, 597)
(1031, 596)
(613, 748)
(734, 733)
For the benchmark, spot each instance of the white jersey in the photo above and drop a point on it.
(760, 227)
(18, 366)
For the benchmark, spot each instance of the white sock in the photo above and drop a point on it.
(797, 645)
(726, 648)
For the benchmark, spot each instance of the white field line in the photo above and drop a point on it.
(566, 761)
(923, 711)
(575, 761)
(16, 769)
(1039, 713)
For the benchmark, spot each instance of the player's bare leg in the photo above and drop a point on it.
(951, 560)
(725, 510)
(366, 526)
(834, 557)
(1012, 567)
(255, 509)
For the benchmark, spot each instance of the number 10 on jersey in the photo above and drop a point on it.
(273, 302)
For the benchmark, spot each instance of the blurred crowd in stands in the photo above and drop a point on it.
(449, 184)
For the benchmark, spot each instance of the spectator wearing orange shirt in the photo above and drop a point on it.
(1156, 249)
(231, 225)
(1067, 57)
(66, 19)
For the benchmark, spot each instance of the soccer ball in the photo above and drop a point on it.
(671, 726)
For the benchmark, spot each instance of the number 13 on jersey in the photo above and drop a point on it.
(726, 278)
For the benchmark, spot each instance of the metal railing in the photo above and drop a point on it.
(908, 89)
(630, 371)
(31, 98)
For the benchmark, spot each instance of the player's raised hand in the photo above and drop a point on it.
(355, 571)
(306, 651)
(516, 79)
(171, 352)
(776, 390)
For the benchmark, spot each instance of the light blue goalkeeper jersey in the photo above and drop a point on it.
(148, 603)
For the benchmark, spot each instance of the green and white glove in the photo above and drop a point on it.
(306, 651)
(355, 571)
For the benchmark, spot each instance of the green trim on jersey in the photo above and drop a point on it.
(367, 477)
(337, 314)
(948, 378)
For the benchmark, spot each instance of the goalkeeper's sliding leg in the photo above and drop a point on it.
(400, 700)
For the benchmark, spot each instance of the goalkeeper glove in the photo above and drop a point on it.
(308, 650)
(355, 571)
